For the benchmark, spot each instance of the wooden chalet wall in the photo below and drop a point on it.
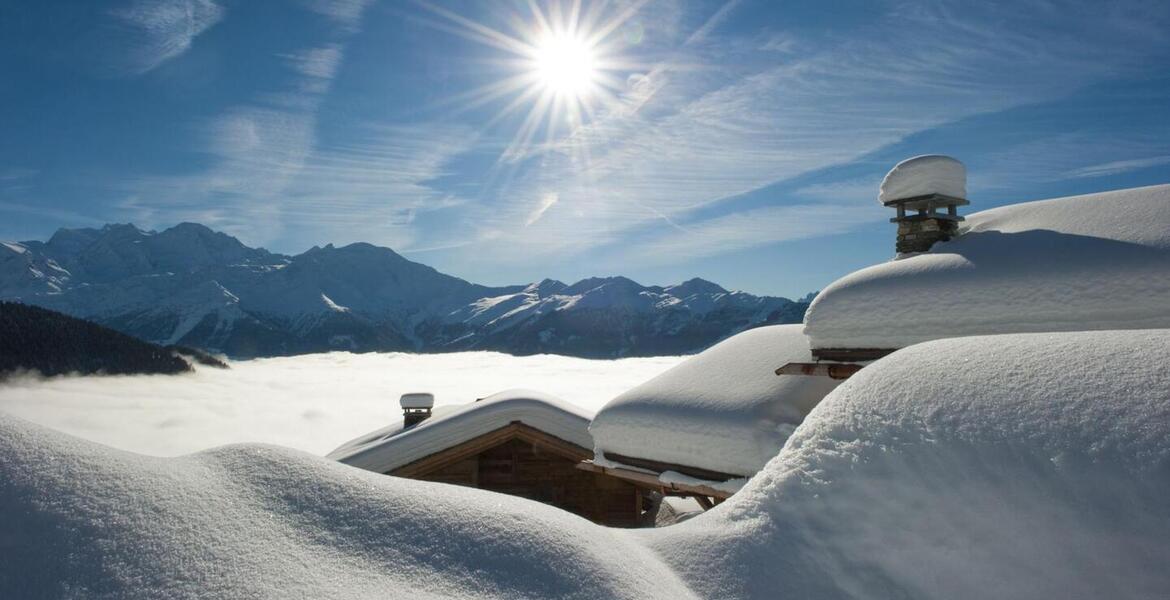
(522, 461)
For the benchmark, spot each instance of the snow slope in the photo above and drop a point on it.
(392, 447)
(1093, 262)
(1016, 466)
(724, 409)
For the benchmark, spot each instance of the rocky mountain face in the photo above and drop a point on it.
(192, 286)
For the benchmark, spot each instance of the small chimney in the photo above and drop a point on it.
(932, 187)
(416, 408)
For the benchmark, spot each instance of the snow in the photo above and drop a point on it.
(1019, 466)
(1093, 262)
(417, 400)
(207, 298)
(723, 410)
(696, 296)
(331, 305)
(1012, 466)
(672, 478)
(924, 175)
(311, 402)
(265, 522)
(392, 447)
(14, 247)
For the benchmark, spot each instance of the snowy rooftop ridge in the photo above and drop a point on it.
(1091, 262)
(391, 447)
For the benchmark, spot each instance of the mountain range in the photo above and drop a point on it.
(193, 286)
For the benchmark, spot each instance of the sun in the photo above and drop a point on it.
(564, 64)
(565, 60)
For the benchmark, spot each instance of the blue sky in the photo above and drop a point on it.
(742, 142)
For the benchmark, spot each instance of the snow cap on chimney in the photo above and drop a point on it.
(924, 176)
(416, 408)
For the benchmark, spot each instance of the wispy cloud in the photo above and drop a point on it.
(347, 13)
(271, 174)
(1069, 155)
(751, 228)
(1120, 166)
(157, 31)
(317, 65)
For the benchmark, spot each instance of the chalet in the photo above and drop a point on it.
(519, 442)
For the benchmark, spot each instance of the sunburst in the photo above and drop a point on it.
(562, 63)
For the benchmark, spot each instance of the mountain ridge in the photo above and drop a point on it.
(197, 287)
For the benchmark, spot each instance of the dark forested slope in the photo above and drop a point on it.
(37, 339)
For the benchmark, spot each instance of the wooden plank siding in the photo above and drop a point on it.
(523, 461)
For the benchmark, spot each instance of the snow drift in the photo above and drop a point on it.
(1027, 466)
(1014, 466)
(1093, 262)
(724, 409)
(248, 521)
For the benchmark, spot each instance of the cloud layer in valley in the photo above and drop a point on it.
(312, 402)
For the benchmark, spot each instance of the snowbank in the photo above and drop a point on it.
(1094, 262)
(1017, 466)
(85, 521)
(924, 175)
(392, 447)
(724, 409)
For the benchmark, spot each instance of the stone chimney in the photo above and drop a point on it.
(926, 191)
(416, 408)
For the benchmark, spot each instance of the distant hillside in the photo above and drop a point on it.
(36, 339)
(194, 287)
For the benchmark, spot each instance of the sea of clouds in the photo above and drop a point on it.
(312, 402)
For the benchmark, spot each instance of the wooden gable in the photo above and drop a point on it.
(523, 461)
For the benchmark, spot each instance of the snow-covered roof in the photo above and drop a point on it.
(392, 447)
(923, 176)
(722, 410)
(1093, 262)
